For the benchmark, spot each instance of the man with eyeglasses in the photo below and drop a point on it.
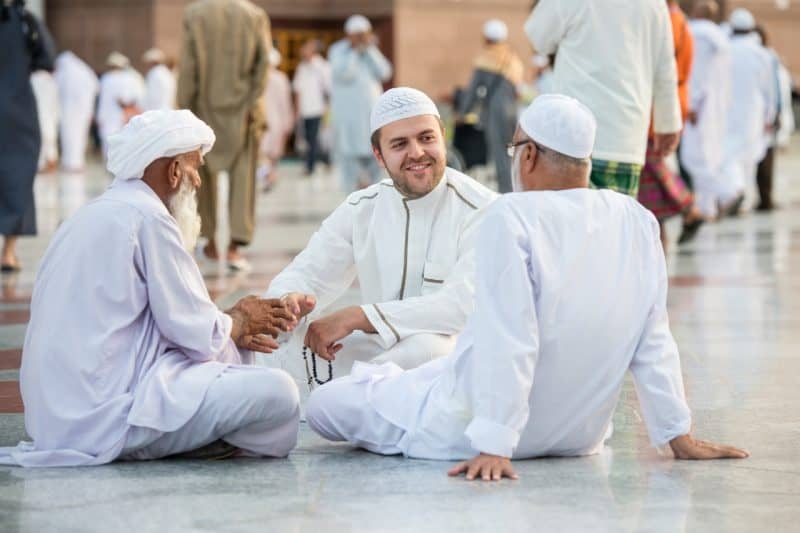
(566, 302)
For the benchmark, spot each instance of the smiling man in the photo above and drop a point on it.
(408, 242)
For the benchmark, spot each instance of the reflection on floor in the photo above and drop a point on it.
(735, 308)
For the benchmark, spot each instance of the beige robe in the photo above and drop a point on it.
(223, 73)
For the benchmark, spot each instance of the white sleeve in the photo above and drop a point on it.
(344, 64)
(379, 65)
(666, 105)
(177, 295)
(506, 330)
(656, 367)
(546, 26)
(326, 267)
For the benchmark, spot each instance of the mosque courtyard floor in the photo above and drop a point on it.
(734, 303)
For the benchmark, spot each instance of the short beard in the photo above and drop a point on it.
(401, 184)
(183, 207)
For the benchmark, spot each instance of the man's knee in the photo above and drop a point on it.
(323, 408)
(273, 391)
(417, 350)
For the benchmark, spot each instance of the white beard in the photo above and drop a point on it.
(516, 181)
(183, 207)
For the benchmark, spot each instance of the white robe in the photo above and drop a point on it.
(570, 294)
(278, 108)
(45, 90)
(159, 88)
(122, 333)
(357, 79)
(752, 108)
(709, 97)
(414, 264)
(117, 86)
(77, 90)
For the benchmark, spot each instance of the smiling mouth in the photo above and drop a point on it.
(418, 167)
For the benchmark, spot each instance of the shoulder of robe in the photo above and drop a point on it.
(367, 197)
(468, 190)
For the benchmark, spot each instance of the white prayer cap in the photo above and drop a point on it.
(156, 134)
(116, 59)
(154, 55)
(357, 24)
(399, 103)
(495, 30)
(742, 20)
(274, 57)
(560, 123)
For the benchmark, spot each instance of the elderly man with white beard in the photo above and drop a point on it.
(571, 289)
(125, 355)
(407, 239)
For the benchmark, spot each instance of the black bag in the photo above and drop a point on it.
(470, 142)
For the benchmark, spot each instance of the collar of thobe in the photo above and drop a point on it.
(428, 201)
(142, 188)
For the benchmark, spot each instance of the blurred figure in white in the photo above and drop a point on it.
(312, 88)
(277, 102)
(709, 96)
(45, 91)
(752, 109)
(781, 127)
(358, 70)
(159, 82)
(77, 90)
(121, 94)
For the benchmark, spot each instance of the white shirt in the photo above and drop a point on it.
(122, 332)
(570, 294)
(617, 57)
(159, 88)
(413, 258)
(312, 84)
(121, 85)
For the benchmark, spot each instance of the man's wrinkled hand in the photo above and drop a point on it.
(688, 448)
(258, 343)
(257, 316)
(487, 467)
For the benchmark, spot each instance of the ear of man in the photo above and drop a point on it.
(175, 173)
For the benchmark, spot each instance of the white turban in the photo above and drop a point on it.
(742, 20)
(154, 55)
(156, 134)
(399, 103)
(357, 24)
(495, 30)
(115, 59)
(560, 123)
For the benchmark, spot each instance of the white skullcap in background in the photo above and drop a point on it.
(115, 59)
(399, 103)
(357, 24)
(274, 57)
(540, 60)
(156, 134)
(154, 55)
(495, 30)
(742, 20)
(560, 123)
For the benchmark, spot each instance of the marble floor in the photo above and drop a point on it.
(735, 310)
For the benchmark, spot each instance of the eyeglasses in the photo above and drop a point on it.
(511, 147)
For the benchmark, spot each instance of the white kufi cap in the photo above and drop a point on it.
(742, 20)
(154, 55)
(495, 30)
(400, 103)
(560, 123)
(116, 59)
(357, 24)
(153, 135)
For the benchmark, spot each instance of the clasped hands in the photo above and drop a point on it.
(257, 322)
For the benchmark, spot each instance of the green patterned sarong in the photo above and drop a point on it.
(620, 177)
